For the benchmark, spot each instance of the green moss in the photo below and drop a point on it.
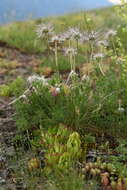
(14, 88)
(17, 86)
(5, 91)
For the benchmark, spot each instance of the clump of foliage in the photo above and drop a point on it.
(62, 148)
(14, 88)
(79, 106)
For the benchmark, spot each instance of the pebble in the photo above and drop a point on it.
(10, 151)
(2, 181)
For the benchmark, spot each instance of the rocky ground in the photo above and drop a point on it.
(22, 67)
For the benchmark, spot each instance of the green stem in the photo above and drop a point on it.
(56, 58)
(71, 61)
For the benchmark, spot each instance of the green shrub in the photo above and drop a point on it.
(82, 109)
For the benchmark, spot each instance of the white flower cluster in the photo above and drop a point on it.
(110, 33)
(71, 34)
(56, 39)
(98, 56)
(34, 78)
(44, 30)
(70, 51)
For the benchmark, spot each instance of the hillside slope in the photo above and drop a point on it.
(22, 34)
(20, 10)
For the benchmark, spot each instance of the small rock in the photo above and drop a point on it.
(2, 181)
(10, 151)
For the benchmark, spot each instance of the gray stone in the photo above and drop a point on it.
(2, 181)
(10, 151)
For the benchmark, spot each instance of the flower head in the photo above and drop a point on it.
(72, 33)
(75, 33)
(119, 60)
(85, 78)
(84, 38)
(110, 33)
(35, 78)
(55, 91)
(44, 30)
(103, 43)
(98, 56)
(121, 109)
(91, 36)
(70, 51)
(24, 96)
(56, 40)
